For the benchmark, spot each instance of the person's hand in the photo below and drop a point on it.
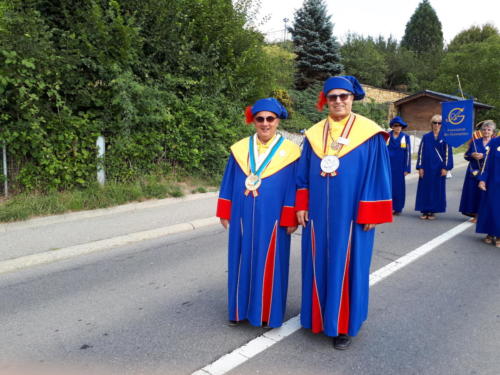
(303, 217)
(368, 227)
(406, 174)
(224, 222)
(477, 155)
(290, 230)
(443, 172)
(482, 185)
(421, 173)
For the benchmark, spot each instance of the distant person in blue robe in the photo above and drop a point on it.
(400, 155)
(256, 201)
(475, 155)
(434, 160)
(488, 219)
(343, 191)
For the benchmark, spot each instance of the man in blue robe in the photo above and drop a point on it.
(488, 220)
(256, 201)
(343, 191)
(400, 155)
(434, 160)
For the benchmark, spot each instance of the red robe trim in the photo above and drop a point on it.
(288, 217)
(374, 212)
(302, 200)
(268, 282)
(223, 209)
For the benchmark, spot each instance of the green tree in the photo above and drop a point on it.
(317, 50)
(362, 59)
(478, 65)
(423, 33)
(474, 34)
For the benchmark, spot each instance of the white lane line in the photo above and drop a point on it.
(91, 247)
(242, 354)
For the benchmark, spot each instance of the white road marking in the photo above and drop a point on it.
(242, 354)
(91, 247)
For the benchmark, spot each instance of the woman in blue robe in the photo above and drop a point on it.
(435, 159)
(256, 201)
(475, 155)
(400, 155)
(488, 220)
(343, 191)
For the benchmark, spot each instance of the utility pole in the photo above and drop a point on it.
(285, 20)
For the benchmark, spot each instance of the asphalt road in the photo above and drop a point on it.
(159, 307)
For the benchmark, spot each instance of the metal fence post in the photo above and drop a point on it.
(5, 181)
(101, 147)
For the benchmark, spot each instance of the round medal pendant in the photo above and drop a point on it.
(330, 164)
(252, 182)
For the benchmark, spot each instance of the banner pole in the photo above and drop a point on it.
(460, 87)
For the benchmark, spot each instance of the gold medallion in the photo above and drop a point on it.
(252, 182)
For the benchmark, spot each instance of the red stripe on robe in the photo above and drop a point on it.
(268, 282)
(374, 212)
(223, 208)
(316, 316)
(344, 311)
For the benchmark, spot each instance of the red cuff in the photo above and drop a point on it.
(223, 208)
(302, 199)
(288, 217)
(374, 212)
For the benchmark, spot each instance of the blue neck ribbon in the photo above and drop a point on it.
(268, 158)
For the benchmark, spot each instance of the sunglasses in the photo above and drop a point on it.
(342, 97)
(436, 122)
(268, 119)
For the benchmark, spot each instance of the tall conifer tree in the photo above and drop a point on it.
(318, 52)
(423, 33)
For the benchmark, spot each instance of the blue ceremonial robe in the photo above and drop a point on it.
(488, 218)
(259, 247)
(400, 156)
(336, 251)
(471, 194)
(433, 155)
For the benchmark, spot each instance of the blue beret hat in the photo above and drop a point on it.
(348, 83)
(267, 104)
(398, 120)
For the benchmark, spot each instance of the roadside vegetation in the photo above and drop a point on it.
(166, 83)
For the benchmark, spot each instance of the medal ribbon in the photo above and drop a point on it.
(338, 146)
(344, 134)
(257, 171)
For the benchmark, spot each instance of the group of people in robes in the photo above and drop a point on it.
(338, 188)
(481, 187)
(434, 161)
(348, 177)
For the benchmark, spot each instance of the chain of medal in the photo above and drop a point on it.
(336, 147)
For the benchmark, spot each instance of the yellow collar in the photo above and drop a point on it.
(287, 153)
(362, 129)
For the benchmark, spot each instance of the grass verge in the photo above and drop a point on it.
(27, 205)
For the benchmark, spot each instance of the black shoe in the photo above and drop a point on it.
(233, 323)
(266, 326)
(341, 342)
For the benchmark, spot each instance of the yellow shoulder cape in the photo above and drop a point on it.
(362, 129)
(287, 153)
